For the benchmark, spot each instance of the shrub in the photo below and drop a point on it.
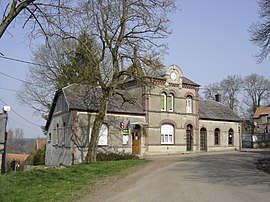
(114, 156)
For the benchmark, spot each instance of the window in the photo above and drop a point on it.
(189, 104)
(171, 102)
(63, 133)
(49, 138)
(216, 136)
(163, 101)
(57, 134)
(230, 137)
(264, 119)
(103, 135)
(167, 134)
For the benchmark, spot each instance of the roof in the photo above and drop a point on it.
(261, 111)
(213, 110)
(189, 82)
(17, 157)
(83, 98)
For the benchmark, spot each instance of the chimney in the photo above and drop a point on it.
(218, 97)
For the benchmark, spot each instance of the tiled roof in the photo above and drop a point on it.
(261, 111)
(210, 109)
(87, 99)
(17, 157)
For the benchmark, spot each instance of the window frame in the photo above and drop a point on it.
(231, 133)
(171, 102)
(167, 138)
(217, 136)
(163, 100)
(189, 104)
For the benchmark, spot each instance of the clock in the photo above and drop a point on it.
(173, 75)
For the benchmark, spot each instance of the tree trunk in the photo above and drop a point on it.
(93, 145)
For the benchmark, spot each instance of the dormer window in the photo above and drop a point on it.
(264, 118)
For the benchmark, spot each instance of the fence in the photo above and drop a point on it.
(257, 140)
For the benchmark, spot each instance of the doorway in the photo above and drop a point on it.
(189, 137)
(203, 133)
(136, 140)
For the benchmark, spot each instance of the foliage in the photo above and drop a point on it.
(65, 184)
(114, 156)
(39, 156)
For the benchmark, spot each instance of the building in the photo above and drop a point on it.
(261, 119)
(167, 117)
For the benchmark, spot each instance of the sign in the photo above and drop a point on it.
(122, 125)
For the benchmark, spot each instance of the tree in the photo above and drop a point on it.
(260, 32)
(35, 13)
(228, 88)
(256, 89)
(128, 33)
(62, 63)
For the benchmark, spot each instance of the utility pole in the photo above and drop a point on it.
(3, 135)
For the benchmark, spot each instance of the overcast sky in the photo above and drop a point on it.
(209, 42)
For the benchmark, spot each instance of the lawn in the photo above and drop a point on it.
(60, 185)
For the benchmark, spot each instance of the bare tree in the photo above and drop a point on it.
(256, 89)
(34, 13)
(54, 67)
(231, 87)
(128, 33)
(228, 88)
(260, 32)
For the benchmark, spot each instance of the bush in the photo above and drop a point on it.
(114, 156)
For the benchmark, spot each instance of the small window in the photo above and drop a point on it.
(167, 134)
(64, 134)
(163, 101)
(230, 137)
(103, 135)
(217, 136)
(171, 102)
(189, 104)
(57, 134)
(49, 138)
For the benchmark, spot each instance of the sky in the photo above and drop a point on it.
(210, 41)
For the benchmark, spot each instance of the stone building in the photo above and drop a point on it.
(165, 118)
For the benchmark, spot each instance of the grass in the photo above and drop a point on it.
(59, 185)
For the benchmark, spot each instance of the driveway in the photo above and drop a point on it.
(217, 177)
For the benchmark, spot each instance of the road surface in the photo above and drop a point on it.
(209, 177)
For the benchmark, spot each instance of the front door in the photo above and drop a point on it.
(136, 142)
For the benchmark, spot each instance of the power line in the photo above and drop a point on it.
(22, 61)
(16, 91)
(20, 115)
(12, 77)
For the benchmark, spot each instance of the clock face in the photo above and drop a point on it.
(173, 76)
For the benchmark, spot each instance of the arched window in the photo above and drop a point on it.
(203, 138)
(189, 104)
(189, 137)
(167, 134)
(230, 137)
(217, 136)
(163, 101)
(103, 135)
(171, 102)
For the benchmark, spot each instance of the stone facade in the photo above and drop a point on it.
(166, 118)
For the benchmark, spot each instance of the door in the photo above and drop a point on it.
(189, 136)
(203, 133)
(136, 142)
